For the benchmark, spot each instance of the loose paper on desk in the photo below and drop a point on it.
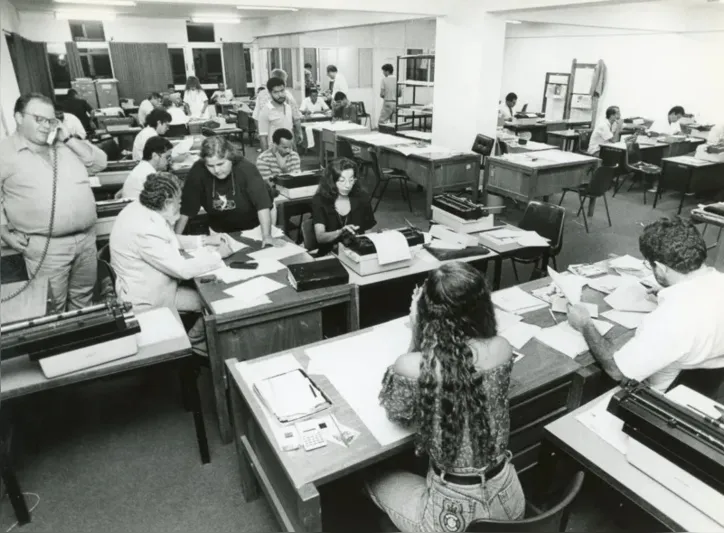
(516, 300)
(627, 319)
(559, 304)
(519, 334)
(277, 252)
(604, 424)
(563, 338)
(94, 181)
(356, 365)
(504, 320)
(626, 262)
(571, 285)
(391, 247)
(255, 234)
(255, 288)
(234, 275)
(182, 148)
(685, 396)
(227, 305)
(609, 283)
(231, 242)
(631, 297)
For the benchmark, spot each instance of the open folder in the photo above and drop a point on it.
(291, 395)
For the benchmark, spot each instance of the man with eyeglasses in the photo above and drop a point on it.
(40, 153)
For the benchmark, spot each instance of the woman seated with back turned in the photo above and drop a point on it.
(453, 388)
(340, 205)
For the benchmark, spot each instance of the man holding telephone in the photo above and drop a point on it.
(46, 197)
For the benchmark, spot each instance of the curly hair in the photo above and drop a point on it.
(193, 83)
(219, 146)
(159, 188)
(675, 243)
(328, 183)
(454, 307)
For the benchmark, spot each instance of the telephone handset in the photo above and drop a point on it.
(32, 276)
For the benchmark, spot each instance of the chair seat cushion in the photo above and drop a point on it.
(646, 168)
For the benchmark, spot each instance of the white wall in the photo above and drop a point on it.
(647, 72)
(9, 92)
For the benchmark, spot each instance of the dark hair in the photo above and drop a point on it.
(167, 102)
(274, 82)
(155, 95)
(219, 146)
(331, 68)
(454, 307)
(192, 82)
(388, 68)
(281, 133)
(157, 116)
(510, 97)
(611, 111)
(307, 65)
(72, 93)
(22, 102)
(158, 189)
(675, 243)
(339, 96)
(677, 110)
(313, 90)
(328, 183)
(156, 145)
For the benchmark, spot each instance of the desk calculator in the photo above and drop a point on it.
(311, 435)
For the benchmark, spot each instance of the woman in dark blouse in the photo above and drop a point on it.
(453, 388)
(340, 205)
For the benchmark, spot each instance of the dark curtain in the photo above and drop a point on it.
(75, 67)
(235, 68)
(32, 68)
(140, 68)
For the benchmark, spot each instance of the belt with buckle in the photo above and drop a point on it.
(471, 479)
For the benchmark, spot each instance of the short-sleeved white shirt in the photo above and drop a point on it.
(602, 134)
(666, 128)
(685, 331)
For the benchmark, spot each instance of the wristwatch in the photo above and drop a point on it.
(69, 137)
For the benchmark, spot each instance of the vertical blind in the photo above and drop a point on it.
(140, 68)
(235, 68)
(32, 68)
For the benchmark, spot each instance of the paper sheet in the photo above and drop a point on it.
(626, 319)
(609, 283)
(255, 234)
(571, 286)
(604, 424)
(563, 338)
(391, 247)
(309, 130)
(586, 270)
(254, 289)
(631, 297)
(523, 238)
(504, 320)
(559, 304)
(278, 252)
(627, 262)
(94, 181)
(227, 305)
(182, 147)
(233, 275)
(232, 242)
(685, 396)
(519, 334)
(516, 300)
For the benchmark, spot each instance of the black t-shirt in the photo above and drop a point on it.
(80, 108)
(232, 203)
(360, 214)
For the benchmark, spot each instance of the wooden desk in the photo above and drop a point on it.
(570, 436)
(416, 135)
(33, 302)
(688, 174)
(529, 176)
(506, 251)
(540, 128)
(515, 147)
(314, 130)
(417, 113)
(292, 319)
(566, 140)
(543, 387)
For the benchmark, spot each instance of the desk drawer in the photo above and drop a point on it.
(526, 459)
(536, 407)
(527, 436)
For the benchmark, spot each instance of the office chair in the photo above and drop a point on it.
(344, 149)
(584, 141)
(638, 169)
(362, 112)
(553, 519)
(383, 177)
(484, 146)
(310, 237)
(105, 286)
(600, 183)
(548, 220)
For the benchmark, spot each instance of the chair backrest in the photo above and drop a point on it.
(483, 145)
(584, 140)
(308, 234)
(554, 519)
(111, 148)
(360, 107)
(177, 130)
(601, 181)
(633, 153)
(546, 219)
(344, 149)
(503, 147)
(678, 148)
(329, 145)
(106, 277)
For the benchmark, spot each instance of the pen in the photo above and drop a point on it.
(341, 436)
(552, 315)
(311, 388)
(706, 417)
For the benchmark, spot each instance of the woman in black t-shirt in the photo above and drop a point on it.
(229, 188)
(340, 205)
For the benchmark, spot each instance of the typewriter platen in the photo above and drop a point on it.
(461, 214)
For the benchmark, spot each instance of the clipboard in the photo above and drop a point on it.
(288, 418)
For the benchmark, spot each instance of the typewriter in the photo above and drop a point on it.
(299, 185)
(462, 215)
(359, 253)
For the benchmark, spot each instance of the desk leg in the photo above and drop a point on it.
(190, 379)
(218, 381)
(428, 189)
(353, 309)
(686, 191)
(497, 273)
(15, 495)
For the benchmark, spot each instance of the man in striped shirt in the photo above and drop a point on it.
(279, 159)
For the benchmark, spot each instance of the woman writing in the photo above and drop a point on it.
(453, 388)
(229, 188)
(195, 98)
(340, 205)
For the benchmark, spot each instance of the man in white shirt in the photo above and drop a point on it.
(148, 105)
(277, 113)
(174, 106)
(156, 157)
(506, 110)
(222, 93)
(263, 97)
(608, 130)
(337, 82)
(670, 126)
(713, 149)
(313, 104)
(73, 123)
(686, 331)
(157, 122)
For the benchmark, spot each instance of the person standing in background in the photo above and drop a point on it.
(38, 178)
(195, 98)
(75, 105)
(277, 113)
(148, 105)
(388, 93)
(309, 82)
(263, 97)
(337, 82)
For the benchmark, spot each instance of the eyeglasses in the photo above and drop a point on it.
(42, 121)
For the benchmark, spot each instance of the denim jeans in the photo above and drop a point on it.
(415, 503)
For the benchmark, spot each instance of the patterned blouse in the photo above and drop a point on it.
(399, 397)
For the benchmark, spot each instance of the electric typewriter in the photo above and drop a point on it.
(107, 211)
(298, 185)
(358, 252)
(69, 341)
(461, 214)
(692, 441)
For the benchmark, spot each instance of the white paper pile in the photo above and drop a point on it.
(515, 300)
(255, 234)
(631, 297)
(563, 338)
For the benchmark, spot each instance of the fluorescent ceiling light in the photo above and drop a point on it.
(267, 8)
(513, 22)
(124, 3)
(84, 14)
(215, 19)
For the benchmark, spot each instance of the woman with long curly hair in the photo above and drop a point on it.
(453, 388)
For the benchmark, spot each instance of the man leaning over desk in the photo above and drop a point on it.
(608, 130)
(32, 160)
(686, 330)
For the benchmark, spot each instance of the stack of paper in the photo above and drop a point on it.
(248, 294)
(631, 297)
(506, 236)
(277, 252)
(515, 300)
(563, 338)
(290, 395)
(587, 271)
(391, 247)
(628, 265)
(609, 283)
(255, 234)
(571, 286)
